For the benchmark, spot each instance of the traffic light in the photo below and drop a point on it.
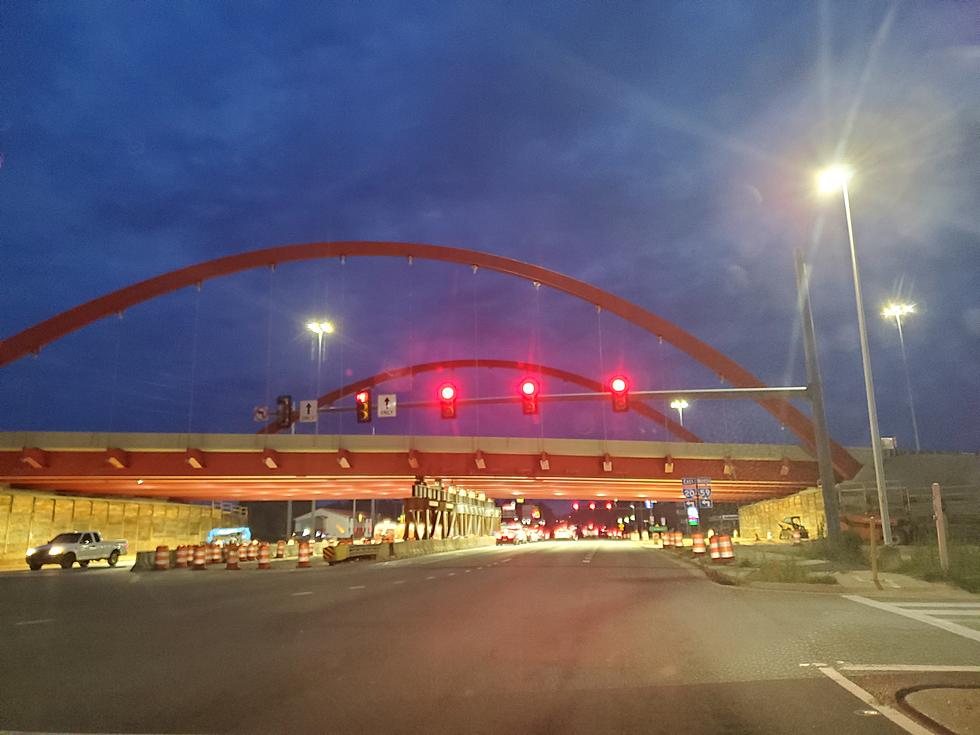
(447, 401)
(284, 412)
(575, 505)
(529, 395)
(591, 506)
(608, 505)
(620, 387)
(363, 401)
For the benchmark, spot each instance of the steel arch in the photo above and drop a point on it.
(32, 339)
(639, 406)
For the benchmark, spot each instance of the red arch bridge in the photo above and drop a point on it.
(269, 466)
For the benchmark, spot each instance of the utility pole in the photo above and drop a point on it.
(815, 393)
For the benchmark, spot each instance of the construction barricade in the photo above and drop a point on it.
(304, 555)
(214, 554)
(180, 558)
(280, 549)
(162, 559)
(231, 557)
(726, 551)
(714, 551)
(698, 547)
(200, 558)
(264, 562)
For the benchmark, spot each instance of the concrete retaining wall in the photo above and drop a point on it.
(760, 520)
(31, 518)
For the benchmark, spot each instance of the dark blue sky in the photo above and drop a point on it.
(663, 151)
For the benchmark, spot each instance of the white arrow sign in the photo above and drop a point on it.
(307, 412)
(387, 405)
(260, 414)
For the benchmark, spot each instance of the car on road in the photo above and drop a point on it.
(78, 546)
(564, 533)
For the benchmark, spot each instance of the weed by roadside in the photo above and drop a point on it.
(964, 565)
(773, 570)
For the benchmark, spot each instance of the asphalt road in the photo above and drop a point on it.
(559, 637)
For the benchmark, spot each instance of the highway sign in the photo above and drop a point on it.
(689, 481)
(387, 405)
(307, 412)
(704, 482)
(689, 492)
(704, 492)
(707, 503)
(260, 414)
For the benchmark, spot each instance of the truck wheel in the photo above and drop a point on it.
(83, 564)
(113, 558)
(67, 560)
(34, 566)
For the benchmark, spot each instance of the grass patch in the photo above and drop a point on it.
(716, 576)
(964, 566)
(772, 570)
(847, 551)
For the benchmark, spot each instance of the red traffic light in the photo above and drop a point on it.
(447, 401)
(575, 505)
(608, 506)
(591, 506)
(619, 386)
(529, 395)
(362, 400)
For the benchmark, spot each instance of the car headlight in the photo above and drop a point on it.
(55, 550)
(31, 551)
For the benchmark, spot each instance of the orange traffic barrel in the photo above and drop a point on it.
(726, 551)
(264, 562)
(253, 551)
(180, 560)
(714, 550)
(280, 549)
(797, 536)
(304, 555)
(161, 560)
(668, 538)
(200, 558)
(698, 540)
(679, 539)
(214, 554)
(231, 557)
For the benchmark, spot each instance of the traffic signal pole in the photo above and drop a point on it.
(815, 394)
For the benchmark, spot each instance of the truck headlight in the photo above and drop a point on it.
(55, 550)
(31, 551)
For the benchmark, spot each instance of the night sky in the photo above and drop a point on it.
(663, 151)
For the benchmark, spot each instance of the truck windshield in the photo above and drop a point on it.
(66, 538)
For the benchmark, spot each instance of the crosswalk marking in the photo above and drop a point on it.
(928, 613)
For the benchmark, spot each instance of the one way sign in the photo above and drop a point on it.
(387, 405)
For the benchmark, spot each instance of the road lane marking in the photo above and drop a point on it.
(451, 574)
(900, 609)
(39, 621)
(399, 581)
(467, 570)
(357, 587)
(900, 719)
(941, 604)
(430, 577)
(911, 667)
(301, 594)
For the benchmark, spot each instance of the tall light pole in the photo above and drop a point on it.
(896, 312)
(319, 328)
(829, 180)
(679, 404)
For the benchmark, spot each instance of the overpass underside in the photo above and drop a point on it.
(282, 467)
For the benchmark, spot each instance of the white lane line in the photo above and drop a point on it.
(430, 577)
(939, 604)
(482, 567)
(300, 594)
(910, 667)
(357, 587)
(402, 581)
(960, 630)
(949, 612)
(39, 621)
(451, 574)
(467, 570)
(900, 719)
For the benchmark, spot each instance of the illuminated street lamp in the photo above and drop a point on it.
(897, 311)
(829, 180)
(319, 328)
(679, 404)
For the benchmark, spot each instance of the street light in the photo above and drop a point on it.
(319, 328)
(896, 311)
(679, 404)
(829, 180)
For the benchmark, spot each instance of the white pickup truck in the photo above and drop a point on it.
(81, 546)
